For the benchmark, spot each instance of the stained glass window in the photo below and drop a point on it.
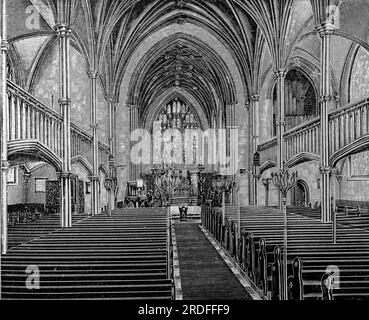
(178, 126)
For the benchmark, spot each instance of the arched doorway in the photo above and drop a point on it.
(300, 194)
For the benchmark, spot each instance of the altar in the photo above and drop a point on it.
(187, 185)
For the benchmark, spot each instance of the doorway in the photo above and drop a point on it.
(300, 194)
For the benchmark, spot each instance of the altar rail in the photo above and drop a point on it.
(347, 126)
(30, 119)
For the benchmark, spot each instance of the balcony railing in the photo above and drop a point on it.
(346, 125)
(30, 119)
(303, 138)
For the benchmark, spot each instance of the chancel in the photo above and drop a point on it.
(182, 149)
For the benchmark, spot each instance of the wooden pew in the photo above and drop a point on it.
(311, 242)
(124, 256)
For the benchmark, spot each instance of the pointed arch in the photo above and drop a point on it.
(150, 115)
(84, 163)
(33, 150)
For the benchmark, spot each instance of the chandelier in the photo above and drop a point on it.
(283, 180)
(167, 182)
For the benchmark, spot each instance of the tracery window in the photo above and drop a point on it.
(178, 126)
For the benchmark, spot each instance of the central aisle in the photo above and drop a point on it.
(204, 274)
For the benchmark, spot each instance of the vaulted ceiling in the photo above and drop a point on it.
(108, 32)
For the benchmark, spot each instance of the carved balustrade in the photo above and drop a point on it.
(30, 119)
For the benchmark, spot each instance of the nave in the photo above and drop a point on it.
(129, 255)
(114, 113)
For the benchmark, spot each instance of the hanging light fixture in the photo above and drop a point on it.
(283, 180)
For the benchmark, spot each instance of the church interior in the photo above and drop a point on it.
(184, 149)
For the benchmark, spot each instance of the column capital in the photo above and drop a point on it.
(336, 173)
(325, 98)
(111, 99)
(133, 106)
(281, 123)
(64, 174)
(63, 30)
(64, 102)
(325, 29)
(4, 45)
(247, 105)
(324, 170)
(5, 165)
(255, 98)
(94, 178)
(256, 175)
(280, 73)
(93, 74)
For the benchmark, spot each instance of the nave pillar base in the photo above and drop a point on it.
(95, 195)
(66, 200)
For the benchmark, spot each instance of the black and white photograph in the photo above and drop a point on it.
(184, 155)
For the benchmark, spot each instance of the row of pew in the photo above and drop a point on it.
(313, 258)
(18, 217)
(24, 232)
(122, 256)
(356, 221)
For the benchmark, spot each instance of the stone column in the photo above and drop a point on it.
(4, 132)
(250, 148)
(134, 124)
(231, 150)
(64, 32)
(281, 122)
(112, 144)
(335, 178)
(255, 110)
(214, 149)
(112, 125)
(220, 140)
(94, 180)
(95, 197)
(280, 76)
(255, 142)
(325, 30)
